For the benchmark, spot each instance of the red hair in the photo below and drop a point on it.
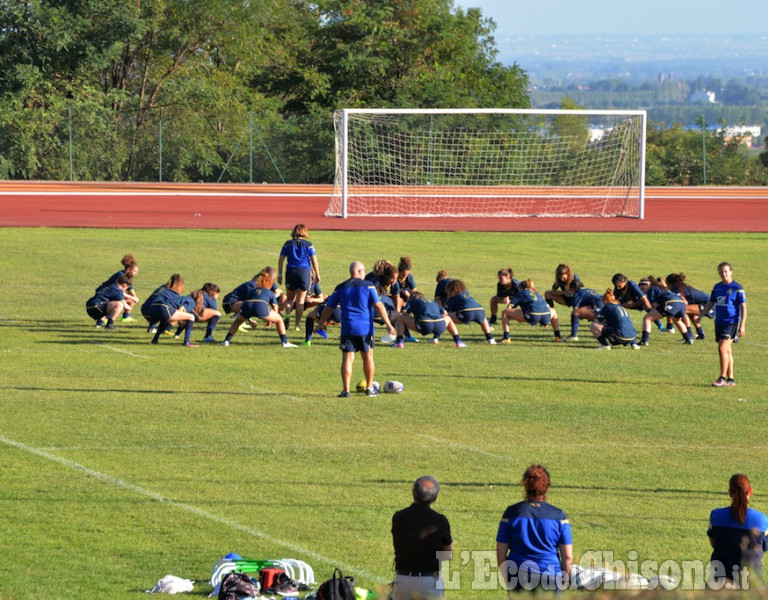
(536, 482)
(740, 490)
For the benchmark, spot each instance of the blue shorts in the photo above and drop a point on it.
(726, 331)
(159, 313)
(356, 343)
(96, 311)
(227, 303)
(257, 310)
(542, 320)
(436, 328)
(611, 338)
(298, 278)
(676, 310)
(471, 316)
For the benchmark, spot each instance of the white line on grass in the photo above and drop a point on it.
(469, 448)
(265, 392)
(121, 351)
(191, 509)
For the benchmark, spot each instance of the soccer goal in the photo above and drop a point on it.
(489, 162)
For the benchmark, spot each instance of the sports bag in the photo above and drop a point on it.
(337, 587)
(236, 585)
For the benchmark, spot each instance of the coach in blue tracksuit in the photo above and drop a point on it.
(357, 299)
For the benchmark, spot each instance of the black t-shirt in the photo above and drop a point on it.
(418, 533)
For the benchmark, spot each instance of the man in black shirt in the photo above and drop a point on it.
(418, 534)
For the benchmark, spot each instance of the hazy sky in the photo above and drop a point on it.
(538, 17)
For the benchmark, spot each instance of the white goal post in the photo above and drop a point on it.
(489, 163)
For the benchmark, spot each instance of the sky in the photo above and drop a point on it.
(665, 17)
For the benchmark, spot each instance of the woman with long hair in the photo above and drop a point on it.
(534, 543)
(463, 308)
(168, 310)
(130, 270)
(527, 306)
(737, 534)
(299, 255)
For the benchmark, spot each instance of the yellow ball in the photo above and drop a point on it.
(362, 385)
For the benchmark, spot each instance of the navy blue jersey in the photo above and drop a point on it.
(617, 318)
(440, 290)
(507, 291)
(356, 297)
(735, 544)
(389, 304)
(588, 298)
(666, 300)
(241, 292)
(108, 293)
(259, 303)
(653, 294)
(209, 302)
(188, 303)
(630, 293)
(424, 310)
(113, 279)
(168, 298)
(151, 300)
(530, 302)
(534, 531)
(561, 285)
(298, 253)
(407, 283)
(462, 302)
(728, 298)
(694, 296)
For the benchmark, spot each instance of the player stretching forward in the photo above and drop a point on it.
(614, 326)
(463, 308)
(585, 303)
(533, 310)
(428, 317)
(506, 287)
(666, 303)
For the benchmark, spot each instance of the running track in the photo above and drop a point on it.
(242, 206)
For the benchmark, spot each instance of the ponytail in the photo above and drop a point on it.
(740, 490)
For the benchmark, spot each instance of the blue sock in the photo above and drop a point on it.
(284, 339)
(574, 325)
(646, 336)
(211, 326)
(188, 332)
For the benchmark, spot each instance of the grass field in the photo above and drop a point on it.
(122, 462)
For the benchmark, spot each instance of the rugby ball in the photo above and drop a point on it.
(393, 387)
(387, 339)
(362, 385)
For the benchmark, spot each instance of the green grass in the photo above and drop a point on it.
(121, 462)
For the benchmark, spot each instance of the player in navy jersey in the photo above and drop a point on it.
(130, 270)
(300, 258)
(506, 287)
(405, 280)
(528, 306)
(203, 305)
(260, 303)
(560, 291)
(585, 303)
(696, 301)
(534, 542)
(168, 309)
(108, 302)
(442, 280)
(234, 299)
(463, 308)
(737, 534)
(315, 295)
(629, 294)
(730, 303)
(613, 326)
(358, 300)
(426, 317)
(665, 303)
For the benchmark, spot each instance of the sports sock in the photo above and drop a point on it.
(284, 338)
(602, 340)
(488, 336)
(687, 335)
(126, 314)
(309, 328)
(646, 336)
(659, 324)
(551, 303)
(180, 328)
(557, 334)
(506, 335)
(211, 326)
(188, 332)
(110, 321)
(160, 328)
(399, 339)
(228, 338)
(457, 338)
(574, 325)
(700, 331)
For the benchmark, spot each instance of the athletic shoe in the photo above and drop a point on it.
(167, 331)
(101, 322)
(492, 320)
(190, 345)
(492, 342)
(506, 341)
(297, 328)
(700, 336)
(152, 329)
(559, 339)
(225, 343)
(719, 382)
(109, 326)
(176, 336)
(670, 329)
(209, 340)
(322, 333)
(662, 329)
(410, 338)
(644, 343)
(730, 383)
(289, 345)
(461, 345)
(127, 320)
(601, 347)
(635, 346)
(572, 338)
(371, 392)
(687, 342)
(244, 327)
(306, 343)
(434, 341)
(343, 394)
(398, 345)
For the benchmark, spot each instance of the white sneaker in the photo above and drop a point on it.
(492, 342)
(603, 347)
(434, 341)
(572, 338)
(289, 345)
(225, 343)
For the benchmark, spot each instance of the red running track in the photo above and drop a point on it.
(243, 206)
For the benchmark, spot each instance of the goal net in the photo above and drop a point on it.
(488, 162)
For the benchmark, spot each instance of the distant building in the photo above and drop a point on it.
(702, 97)
(749, 135)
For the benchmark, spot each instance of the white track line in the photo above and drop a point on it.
(138, 490)
(135, 193)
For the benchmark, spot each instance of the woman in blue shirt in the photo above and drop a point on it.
(665, 303)
(299, 253)
(463, 308)
(534, 543)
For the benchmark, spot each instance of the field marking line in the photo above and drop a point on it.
(264, 391)
(121, 351)
(141, 491)
(469, 448)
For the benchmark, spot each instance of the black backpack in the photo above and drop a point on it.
(337, 587)
(236, 585)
